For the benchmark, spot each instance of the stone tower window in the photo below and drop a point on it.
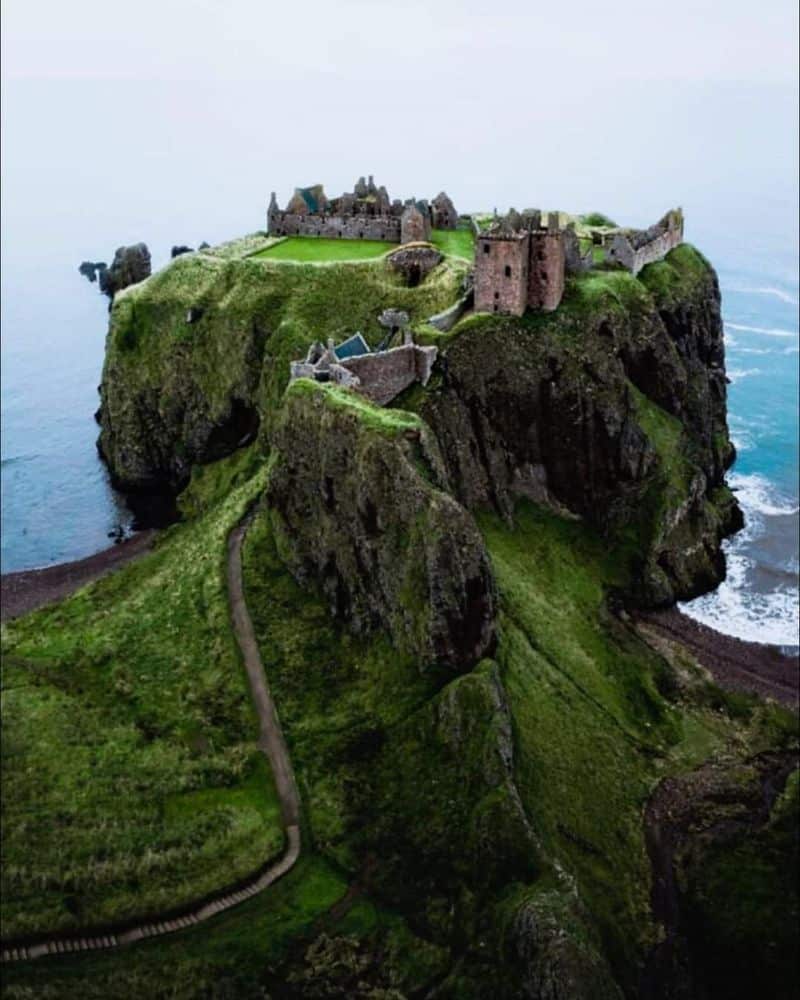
(508, 271)
(487, 247)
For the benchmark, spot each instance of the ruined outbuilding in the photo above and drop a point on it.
(365, 213)
(378, 375)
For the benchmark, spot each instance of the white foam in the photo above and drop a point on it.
(737, 374)
(778, 293)
(756, 495)
(766, 331)
(734, 607)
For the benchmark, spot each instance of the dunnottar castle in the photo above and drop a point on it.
(367, 214)
(522, 261)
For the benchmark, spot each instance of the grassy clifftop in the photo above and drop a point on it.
(198, 355)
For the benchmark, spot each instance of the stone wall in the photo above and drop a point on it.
(385, 375)
(414, 262)
(637, 248)
(546, 270)
(501, 273)
(352, 227)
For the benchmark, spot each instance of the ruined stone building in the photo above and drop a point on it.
(634, 248)
(379, 375)
(519, 263)
(365, 213)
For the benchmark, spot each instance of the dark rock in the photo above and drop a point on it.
(178, 250)
(130, 266)
(555, 418)
(204, 246)
(92, 269)
(360, 508)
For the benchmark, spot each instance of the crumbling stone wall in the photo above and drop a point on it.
(385, 375)
(415, 224)
(443, 212)
(576, 262)
(365, 213)
(414, 262)
(352, 227)
(633, 249)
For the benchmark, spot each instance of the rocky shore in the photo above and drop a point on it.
(33, 588)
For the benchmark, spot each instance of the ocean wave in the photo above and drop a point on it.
(756, 495)
(736, 610)
(778, 293)
(735, 607)
(766, 331)
(737, 374)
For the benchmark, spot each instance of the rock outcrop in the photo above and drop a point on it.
(611, 410)
(130, 266)
(359, 507)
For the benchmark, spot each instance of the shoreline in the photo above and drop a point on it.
(735, 664)
(28, 589)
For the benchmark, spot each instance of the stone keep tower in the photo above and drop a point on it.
(547, 265)
(519, 263)
(501, 272)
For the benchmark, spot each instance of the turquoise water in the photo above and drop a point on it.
(758, 600)
(88, 167)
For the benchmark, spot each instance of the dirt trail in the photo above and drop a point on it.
(272, 745)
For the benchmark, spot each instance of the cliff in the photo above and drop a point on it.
(611, 409)
(509, 789)
(197, 356)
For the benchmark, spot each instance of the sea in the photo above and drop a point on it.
(64, 203)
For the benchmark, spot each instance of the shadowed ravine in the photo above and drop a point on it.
(270, 742)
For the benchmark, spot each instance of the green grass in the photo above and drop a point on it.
(320, 249)
(455, 242)
(131, 779)
(593, 732)
(391, 422)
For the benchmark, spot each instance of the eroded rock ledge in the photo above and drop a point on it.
(359, 506)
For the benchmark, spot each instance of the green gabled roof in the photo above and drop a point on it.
(353, 347)
(309, 198)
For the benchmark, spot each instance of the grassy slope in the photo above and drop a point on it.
(455, 242)
(319, 248)
(130, 776)
(152, 348)
(594, 731)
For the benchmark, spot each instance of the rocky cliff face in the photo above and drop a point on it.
(360, 509)
(612, 409)
(197, 357)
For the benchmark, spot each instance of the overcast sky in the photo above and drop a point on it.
(180, 116)
(452, 43)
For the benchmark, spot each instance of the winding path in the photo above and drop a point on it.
(270, 742)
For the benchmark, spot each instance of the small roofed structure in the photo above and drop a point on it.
(379, 375)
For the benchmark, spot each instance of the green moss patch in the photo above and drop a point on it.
(131, 779)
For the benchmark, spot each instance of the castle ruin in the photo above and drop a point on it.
(634, 248)
(379, 375)
(366, 213)
(520, 263)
